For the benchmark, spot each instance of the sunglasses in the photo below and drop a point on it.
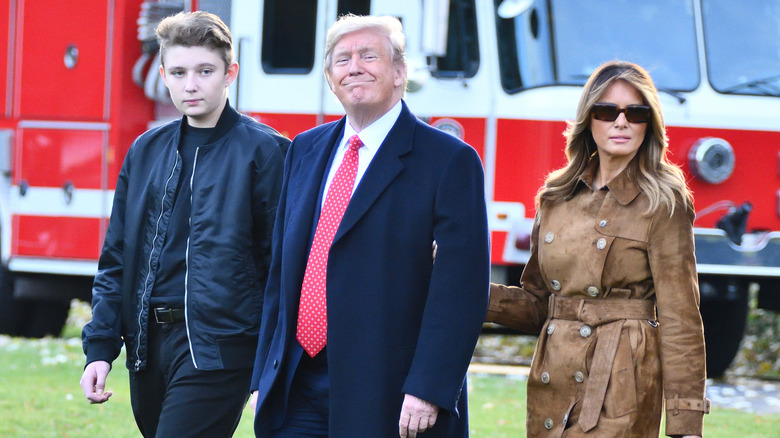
(609, 112)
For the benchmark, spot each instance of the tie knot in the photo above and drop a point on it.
(355, 143)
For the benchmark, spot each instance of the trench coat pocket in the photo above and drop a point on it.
(621, 396)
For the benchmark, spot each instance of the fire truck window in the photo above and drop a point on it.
(525, 48)
(561, 42)
(357, 7)
(734, 66)
(288, 36)
(462, 59)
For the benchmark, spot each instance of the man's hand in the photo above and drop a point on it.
(417, 415)
(93, 382)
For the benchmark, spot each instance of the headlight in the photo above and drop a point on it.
(711, 160)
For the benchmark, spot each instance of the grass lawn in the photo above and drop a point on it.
(40, 397)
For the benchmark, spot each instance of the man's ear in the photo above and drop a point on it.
(231, 74)
(400, 76)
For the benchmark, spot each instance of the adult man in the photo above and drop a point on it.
(362, 334)
(186, 254)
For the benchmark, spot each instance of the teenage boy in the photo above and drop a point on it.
(186, 254)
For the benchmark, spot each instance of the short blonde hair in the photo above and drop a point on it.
(384, 25)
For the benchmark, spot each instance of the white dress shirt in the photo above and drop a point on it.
(372, 137)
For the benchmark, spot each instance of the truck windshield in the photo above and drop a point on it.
(743, 46)
(562, 41)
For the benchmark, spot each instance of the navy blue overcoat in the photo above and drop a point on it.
(398, 322)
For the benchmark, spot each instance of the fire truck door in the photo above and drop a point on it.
(61, 84)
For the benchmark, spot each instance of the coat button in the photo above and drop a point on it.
(555, 284)
(593, 291)
(548, 424)
(545, 377)
(276, 363)
(585, 331)
(549, 237)
(551, 328)
(601, 243)
(603, 223)
(579, 377)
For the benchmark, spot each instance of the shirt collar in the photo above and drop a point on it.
(374, 134)
(622, 187)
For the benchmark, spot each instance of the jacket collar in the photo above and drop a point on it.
(226, 121)
(622, 187)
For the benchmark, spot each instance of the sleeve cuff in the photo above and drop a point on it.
(685, 416)
(100, 349)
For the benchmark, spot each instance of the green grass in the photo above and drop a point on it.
(40, 397)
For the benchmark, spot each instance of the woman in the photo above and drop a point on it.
(611, 282)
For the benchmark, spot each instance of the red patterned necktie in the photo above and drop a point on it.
(312, 332)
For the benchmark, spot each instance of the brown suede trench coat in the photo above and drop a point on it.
(604, 363)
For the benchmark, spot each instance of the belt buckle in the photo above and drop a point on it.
(167, 313)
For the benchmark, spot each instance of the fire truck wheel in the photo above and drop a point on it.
(29, 318)
(10, 308)
(724, 316)
(44, 318)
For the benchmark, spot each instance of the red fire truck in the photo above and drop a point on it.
(80, 83)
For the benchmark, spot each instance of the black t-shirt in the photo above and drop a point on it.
(168, 290)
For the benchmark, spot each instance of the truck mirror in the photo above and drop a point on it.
(512, 8)
(417, 73)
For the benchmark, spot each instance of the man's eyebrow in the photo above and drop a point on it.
(360, 49)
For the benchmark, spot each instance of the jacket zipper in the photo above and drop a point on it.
(149, 265)
(187, 264)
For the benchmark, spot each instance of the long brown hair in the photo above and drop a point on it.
(658, 178)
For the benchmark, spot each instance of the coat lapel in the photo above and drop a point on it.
(383, 169)
(305, 191)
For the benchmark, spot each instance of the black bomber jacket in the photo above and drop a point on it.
(236, 181)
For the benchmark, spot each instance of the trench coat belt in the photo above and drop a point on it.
(610, 314)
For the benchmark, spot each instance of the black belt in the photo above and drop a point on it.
(168, 316)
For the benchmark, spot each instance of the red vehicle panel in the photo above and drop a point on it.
(51, 157)
(5, 60)
(53, 70)
(755, 176)
(64, 238)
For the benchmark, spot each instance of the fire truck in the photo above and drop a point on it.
(80, 82)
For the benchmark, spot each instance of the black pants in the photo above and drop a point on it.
(171, 398)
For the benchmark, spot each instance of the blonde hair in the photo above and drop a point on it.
(657, 177)
(384, 25)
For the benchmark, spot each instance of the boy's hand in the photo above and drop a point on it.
(93, 382)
